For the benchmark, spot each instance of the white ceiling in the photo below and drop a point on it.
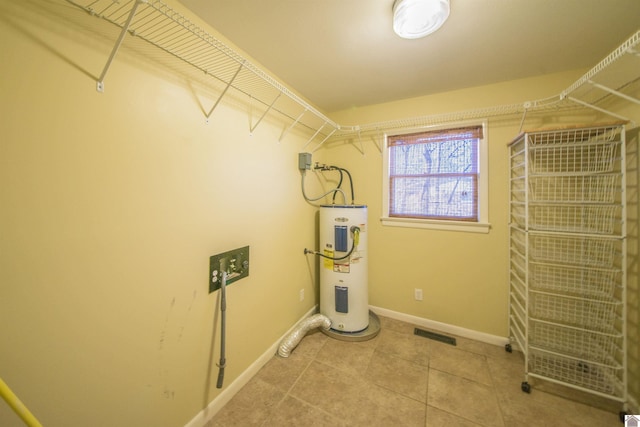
(343, 53)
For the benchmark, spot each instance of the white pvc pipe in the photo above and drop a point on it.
(293, 339)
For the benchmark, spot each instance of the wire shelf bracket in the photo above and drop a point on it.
(224, 91)
(614, 92)
(323, 141)
(292, 125)
(594, 107)
(313, 136)
(116, 47)
(252, 128)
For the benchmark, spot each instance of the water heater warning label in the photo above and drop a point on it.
(341, 268)
(328, 263)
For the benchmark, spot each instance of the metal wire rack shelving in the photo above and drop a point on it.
(172, 32)
(568, 257)
(615, 76)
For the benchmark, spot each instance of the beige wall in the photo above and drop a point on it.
(111, 205)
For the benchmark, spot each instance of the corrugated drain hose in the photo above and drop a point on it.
(291, 341)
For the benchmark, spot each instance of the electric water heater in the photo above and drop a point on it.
(344, 296)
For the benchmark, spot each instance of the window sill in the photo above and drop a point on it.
(464, 226)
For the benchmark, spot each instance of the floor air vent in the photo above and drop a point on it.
(434, 336)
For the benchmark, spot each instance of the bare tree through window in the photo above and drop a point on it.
(434, 174)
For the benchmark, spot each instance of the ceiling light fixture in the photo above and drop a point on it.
(413, 19)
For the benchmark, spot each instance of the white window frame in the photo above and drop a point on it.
(482, 225)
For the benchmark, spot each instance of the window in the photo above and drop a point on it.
(436, 178)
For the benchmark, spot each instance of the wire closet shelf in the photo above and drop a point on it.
(175, 34)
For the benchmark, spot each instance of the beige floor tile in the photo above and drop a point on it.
(507, 373)
(543, 409)
(328, 388)
(283, 372)
(251, 406)
(293, 412)
(472, 366)
(496, 351)
(311, 344)
(440, 418)
(465, 398)
(408, 347)
(398, 375)
(351, 357)
(354, 400)
(388, 324)
(393, 409)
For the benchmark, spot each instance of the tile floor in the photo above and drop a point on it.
(400, 379)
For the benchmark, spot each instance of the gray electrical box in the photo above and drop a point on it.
(304, 161)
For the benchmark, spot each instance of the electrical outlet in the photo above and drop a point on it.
(235, 263)
(417, 294)
(301, 295)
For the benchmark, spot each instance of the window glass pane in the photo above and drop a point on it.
(446, 197)
(457, 156)
(434, 174)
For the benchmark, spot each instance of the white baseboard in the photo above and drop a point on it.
(225, 396)
(441, 327)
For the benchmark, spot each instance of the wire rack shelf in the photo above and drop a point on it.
(591, 377)
(178, 36)
(615, 77)
(600, 219)
(577, 250)
(573, 188)
(582, 344)
(569, 159)
(170, 31)
(573, 311)
(592, 283)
